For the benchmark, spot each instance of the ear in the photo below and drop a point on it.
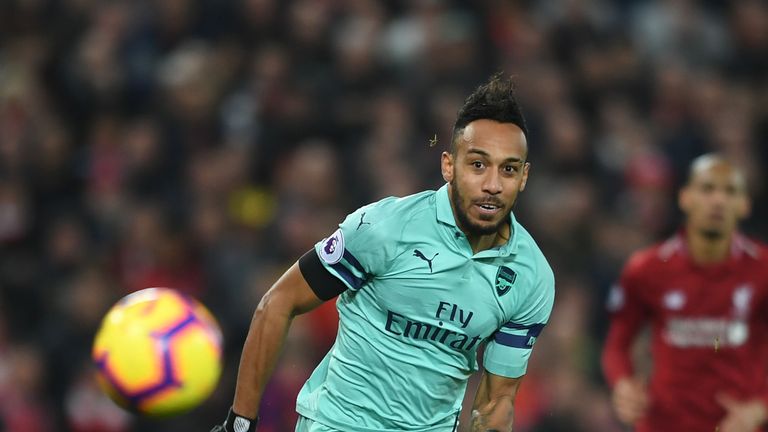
(745, 207)
(446, 166)
(524, 181)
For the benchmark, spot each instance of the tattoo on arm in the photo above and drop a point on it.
(478, 423)
(493, 409)
(493, 416)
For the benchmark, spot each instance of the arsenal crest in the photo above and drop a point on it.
(505, 277)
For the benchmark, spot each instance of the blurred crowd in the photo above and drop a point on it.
(206, 144)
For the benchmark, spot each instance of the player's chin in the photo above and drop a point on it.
(485, 226)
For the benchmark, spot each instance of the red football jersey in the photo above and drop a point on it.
(709, 330)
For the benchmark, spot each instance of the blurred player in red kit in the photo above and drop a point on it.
(705, 294)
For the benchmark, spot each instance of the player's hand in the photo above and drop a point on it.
(236, 423)
(742, 416)
(630, 400)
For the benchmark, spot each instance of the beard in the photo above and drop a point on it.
(460, 203)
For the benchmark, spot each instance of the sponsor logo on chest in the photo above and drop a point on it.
(437, 329)
(729, 330)
(699, 332)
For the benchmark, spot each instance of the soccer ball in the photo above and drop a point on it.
(158, 353)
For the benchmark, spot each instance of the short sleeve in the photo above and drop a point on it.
(508, 350)
(363, 245)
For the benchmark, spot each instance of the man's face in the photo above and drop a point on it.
(714, 200)
(486, 174)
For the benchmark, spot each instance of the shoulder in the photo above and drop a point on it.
(402, 207)
(539, 289)
(528, 247)
(752, 248)
(534, 298)
(753, 257)
(652, 257)
(386, 218)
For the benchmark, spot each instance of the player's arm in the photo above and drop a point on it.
(624, 326)
(344, 260)
(749, 414)
(628, 316)
(507, 352)
(303, 287)
(742, 415)
(291, 295)
(494, 405)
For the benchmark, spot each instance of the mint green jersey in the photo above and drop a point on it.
(419, 305)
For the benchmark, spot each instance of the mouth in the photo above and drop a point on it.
(488, 208)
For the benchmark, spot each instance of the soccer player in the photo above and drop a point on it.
(422, 282)
(705, 294)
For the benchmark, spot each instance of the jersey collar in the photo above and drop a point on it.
(677, 245)
(444, 210)
(445, 215)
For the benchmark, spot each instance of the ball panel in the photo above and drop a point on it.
(197, 360)
(165, 403)
(132, 357)
(159, 309)
(110, 386)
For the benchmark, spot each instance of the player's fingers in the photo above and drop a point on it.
(640, 397)
(632, 396)
(631, 405)
(629, 411)
(726, 401)
(630, 400)
(732, 424)
(632, 388)
(628, 416)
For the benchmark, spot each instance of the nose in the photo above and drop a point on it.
(492, 183)
(719, 197)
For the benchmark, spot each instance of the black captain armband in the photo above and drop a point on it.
(325, 285)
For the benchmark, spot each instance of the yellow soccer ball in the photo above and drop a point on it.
(158, 352)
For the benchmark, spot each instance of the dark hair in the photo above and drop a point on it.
(494, 100)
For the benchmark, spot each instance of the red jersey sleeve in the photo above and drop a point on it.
(765, 383)
(628, 314)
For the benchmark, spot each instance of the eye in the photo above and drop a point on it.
(510, 168)
(478, 164)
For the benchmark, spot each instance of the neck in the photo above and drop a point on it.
(707, 250)
(488, 241)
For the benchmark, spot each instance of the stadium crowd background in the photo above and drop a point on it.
(205, 145)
